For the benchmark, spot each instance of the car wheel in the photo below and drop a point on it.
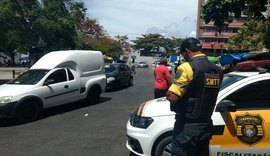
(130, 83)
(93, 95)
(118, 86)
(27, 112)
(164, 147)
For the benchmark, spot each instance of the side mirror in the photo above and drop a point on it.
(48, 82)
(226, 106)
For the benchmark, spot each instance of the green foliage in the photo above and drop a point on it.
(16, 25)
(152, 42)
(58, 23)
(109, 47)
(266, 40)
(27, 24)
(249, 37)
(106, 45)
(149, 41)
(51, 25)
(222, 12)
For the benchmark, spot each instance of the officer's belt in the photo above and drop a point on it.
(199, 121)
(192, 121)
(197, 129)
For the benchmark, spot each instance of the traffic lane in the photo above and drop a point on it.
(79, 129)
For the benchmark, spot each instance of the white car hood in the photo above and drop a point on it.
(156, 107)
(12, 90)
(161, 107)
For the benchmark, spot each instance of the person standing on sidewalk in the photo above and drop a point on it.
(162, 79)
(193, 97)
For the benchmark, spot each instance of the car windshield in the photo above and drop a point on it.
(29, 77)
(230, 79)
(110, 68)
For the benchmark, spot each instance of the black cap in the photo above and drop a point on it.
(192, 44)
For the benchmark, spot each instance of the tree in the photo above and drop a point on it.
(94, 37)
(266, 40)
(16, 26)
(27, 24)
(222, 12)
(58, 23)
(173, 45)
(91, 31)
(153, 42)
(107, 46)
(250, 37)
(149, 42)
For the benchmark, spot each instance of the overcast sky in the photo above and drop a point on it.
(136, 17)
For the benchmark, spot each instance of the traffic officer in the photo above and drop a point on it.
(193, 96)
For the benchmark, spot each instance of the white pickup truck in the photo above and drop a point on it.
(57, 78)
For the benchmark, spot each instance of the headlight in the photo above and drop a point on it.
(110, 79)
(139, 121)
(5, 99)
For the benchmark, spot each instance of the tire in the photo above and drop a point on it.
(93, 95)
(27, 111)
(164, 147)
(130, 82)
(118, 86)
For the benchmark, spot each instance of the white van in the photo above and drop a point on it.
(57, 78)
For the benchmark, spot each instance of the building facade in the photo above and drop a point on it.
(214, 43)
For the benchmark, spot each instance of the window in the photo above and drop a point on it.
(70, 75)
(29, 77)
(253, 96)
(58, 76)
(230, 79)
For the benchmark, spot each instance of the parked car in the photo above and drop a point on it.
(118, 76)
(57, 78)
(241, 120)
(142, 65)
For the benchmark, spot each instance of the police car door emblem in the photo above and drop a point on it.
(249, 128)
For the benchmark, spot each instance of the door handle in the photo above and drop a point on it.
(66, 86)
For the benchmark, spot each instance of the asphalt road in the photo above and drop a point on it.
(78, 129)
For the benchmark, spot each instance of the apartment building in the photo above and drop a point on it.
(213, 42)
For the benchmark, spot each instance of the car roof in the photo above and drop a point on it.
(246, 74)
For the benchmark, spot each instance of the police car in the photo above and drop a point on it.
(241, 120)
